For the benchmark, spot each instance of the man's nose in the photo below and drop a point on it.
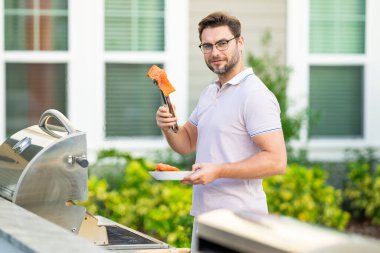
(215, 51)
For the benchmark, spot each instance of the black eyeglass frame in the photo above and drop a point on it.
(216, 45)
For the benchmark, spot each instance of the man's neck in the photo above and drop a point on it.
(224, 78)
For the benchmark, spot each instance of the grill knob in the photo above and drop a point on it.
(82, 161)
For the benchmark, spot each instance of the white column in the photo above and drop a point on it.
(86, 69)
(297, 60)
(372, 75)
(176, 64)
(2, 76)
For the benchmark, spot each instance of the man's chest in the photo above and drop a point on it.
(221, 112)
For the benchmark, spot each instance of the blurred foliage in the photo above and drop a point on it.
(303, 193)
(121, 189)
(365, 156)
(362, 188)
(130, 196)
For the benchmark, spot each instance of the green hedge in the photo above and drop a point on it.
(362, 192)
(121, 189)
(303, 193)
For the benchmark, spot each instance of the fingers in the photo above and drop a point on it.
(195, 178)
(203, 173)
(164, 118)
(163, 112)
(196, 166)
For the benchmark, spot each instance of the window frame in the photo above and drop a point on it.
(86, 59)
(300, 59)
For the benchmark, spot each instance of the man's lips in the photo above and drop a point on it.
(217, 61)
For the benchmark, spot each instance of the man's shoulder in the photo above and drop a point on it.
(253, 83)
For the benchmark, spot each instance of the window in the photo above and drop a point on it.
(332, 48)
(336, 27)
(35, 80)
(134, 25)
(35, 25)
(131, 98)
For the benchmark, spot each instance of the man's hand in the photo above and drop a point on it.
(203, 173)
(164, 118)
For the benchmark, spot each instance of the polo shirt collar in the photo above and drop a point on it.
(238, 78)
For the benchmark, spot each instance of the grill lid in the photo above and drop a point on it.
(44, 167)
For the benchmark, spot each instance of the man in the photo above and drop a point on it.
(235, 129)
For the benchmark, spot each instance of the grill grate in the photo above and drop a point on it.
(121, 236)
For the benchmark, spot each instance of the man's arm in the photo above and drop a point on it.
(271, 160)
(185, 140)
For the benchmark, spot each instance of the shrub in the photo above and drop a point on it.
(362, 192)
(303, 193)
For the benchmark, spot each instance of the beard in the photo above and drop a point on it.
(226, 68)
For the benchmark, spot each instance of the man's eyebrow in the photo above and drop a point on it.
(215, 42)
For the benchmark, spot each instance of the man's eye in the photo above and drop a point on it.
(207, 46)
(222, 43)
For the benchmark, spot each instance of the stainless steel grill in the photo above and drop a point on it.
(43, 168)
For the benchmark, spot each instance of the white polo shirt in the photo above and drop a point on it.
(226, 119)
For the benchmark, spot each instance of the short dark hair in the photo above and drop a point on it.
(220, 18)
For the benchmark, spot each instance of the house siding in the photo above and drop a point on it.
(256, 17)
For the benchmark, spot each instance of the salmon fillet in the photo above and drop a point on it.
(165, 167)
(159, 75)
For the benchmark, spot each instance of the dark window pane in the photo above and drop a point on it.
(53, 4)
(337, 26)
(19, 33)
(32, 89)
(336, 101)
(36, 25)
(134, 25)
(18, 4)
(131, 101)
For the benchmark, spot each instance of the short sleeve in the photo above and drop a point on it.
(194, 117)
(261, 113)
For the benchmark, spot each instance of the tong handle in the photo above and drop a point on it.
(171, 110)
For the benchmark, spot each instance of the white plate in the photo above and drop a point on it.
(170, 175)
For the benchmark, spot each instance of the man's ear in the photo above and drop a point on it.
(241, 42)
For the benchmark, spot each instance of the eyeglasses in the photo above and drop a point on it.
(221, 45)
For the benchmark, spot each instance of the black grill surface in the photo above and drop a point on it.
(121, 236)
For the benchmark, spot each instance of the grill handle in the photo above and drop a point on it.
(47, 128)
